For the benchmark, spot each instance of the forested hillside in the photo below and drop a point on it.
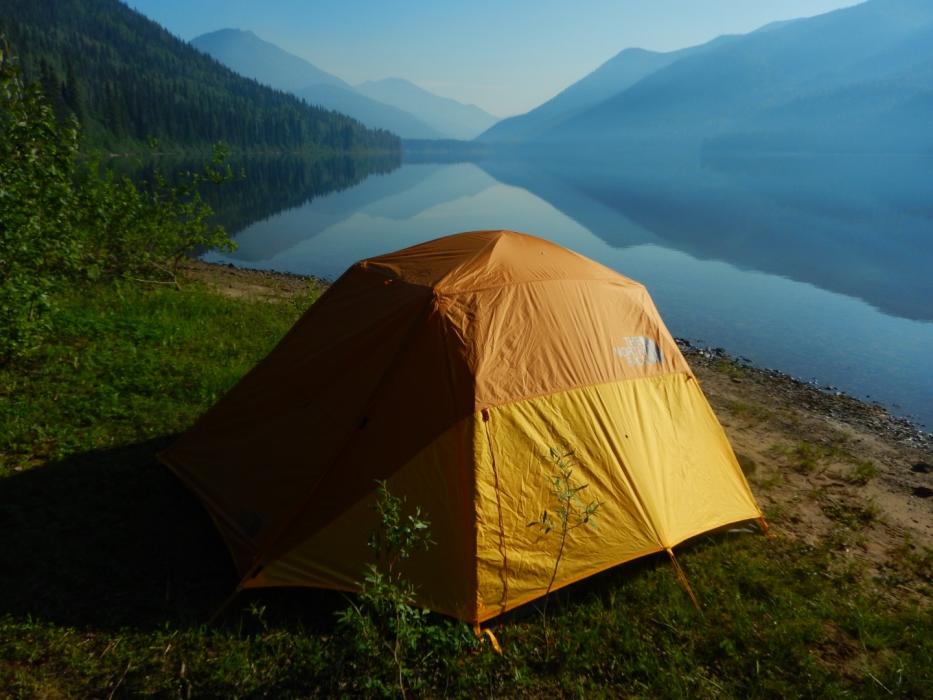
(129, 80)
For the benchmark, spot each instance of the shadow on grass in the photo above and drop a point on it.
(110, 539)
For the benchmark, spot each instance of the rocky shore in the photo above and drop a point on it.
(821, 399)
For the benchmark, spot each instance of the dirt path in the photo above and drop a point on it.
(827, 468)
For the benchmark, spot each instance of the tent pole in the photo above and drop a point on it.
(682, 577)
(502, 549)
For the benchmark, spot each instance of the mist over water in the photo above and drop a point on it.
(817, 266)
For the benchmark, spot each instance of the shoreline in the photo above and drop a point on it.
(830, 400)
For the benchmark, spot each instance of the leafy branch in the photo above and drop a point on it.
(570, 512)
(385, 619)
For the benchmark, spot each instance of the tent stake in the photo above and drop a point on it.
(766, 531)
(480, 631)
(682, 577)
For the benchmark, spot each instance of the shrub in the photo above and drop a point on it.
(38, 243)
(62, 221)
(144, 232)
(388, 638)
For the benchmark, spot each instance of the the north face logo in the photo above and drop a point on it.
(637, 351)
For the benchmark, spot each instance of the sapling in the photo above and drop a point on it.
(569, 513)
(385, 619)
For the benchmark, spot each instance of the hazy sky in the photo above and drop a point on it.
(505, 56)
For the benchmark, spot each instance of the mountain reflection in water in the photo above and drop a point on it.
(818, 266)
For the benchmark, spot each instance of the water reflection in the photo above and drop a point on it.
(862, 226)
(263, 185)
(819, 267)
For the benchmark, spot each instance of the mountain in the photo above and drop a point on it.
(127, 80)
(372, 113)
(856, 78)
(618, 73)
(247, 54)
(255, 58)
(447, 116)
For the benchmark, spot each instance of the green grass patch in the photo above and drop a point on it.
(128, 364)
(853, 515)
(109, 567)
(809, 457)
(862, 472)
(731, 369)
(753, 414)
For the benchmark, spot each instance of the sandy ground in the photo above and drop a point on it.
(257, 284)
(826, 468)
(829, 467)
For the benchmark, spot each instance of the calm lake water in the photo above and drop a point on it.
(821, 267)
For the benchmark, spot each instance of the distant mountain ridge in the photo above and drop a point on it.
(371, 112)
(444, 114)
(266, 63)
(859, 78)
(392, 104)
(247, 54)
(618, 73)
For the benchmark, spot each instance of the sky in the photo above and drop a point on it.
(506, 56)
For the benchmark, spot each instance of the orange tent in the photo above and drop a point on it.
(450, 369)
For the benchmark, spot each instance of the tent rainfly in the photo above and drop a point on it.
(450, 369)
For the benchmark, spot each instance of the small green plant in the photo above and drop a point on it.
(731, 369)
(569, 513)
(807, 457)
(751, 413)
(384, 622)
(850, 514)
(812, 458)
(913, 558)
(862, 472)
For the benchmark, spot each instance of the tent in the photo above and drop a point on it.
(451, 369)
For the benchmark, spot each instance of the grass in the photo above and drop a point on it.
(109, 568)
(816, 458)
(127, 365)
(752, 414)
(862, 472)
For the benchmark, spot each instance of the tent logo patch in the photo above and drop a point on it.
(637, 351)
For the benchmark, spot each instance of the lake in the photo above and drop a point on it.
(821, 267)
